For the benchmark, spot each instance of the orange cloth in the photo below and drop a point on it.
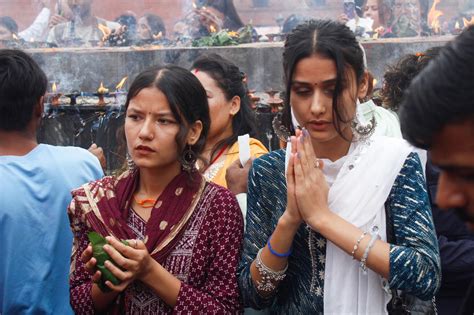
(257, 149)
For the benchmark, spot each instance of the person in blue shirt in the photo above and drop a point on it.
(35, 184)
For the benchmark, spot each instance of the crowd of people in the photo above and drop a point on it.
(347, 218)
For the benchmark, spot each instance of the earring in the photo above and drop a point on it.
(188, 159)
(130, 164)
(360, 128)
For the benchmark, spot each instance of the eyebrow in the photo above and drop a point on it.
(161, 114)
(325, 82)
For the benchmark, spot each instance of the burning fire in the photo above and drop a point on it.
(158, 36)
(102, 89)
(467, 23)
(121, 83)
(54, 87)
(374, 82)
(212, 29)
(105, 31)
(457, 26)
(433, 17)
(15, 37)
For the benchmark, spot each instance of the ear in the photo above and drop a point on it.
(194, 133)
(363, 86)
(234, 105)
(39, 108)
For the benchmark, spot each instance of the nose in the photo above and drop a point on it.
(146, 130)
(450, 193)
(317, 105)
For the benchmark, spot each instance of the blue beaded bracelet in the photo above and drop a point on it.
(288, 253)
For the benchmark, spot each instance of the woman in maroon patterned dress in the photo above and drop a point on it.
(184, 233)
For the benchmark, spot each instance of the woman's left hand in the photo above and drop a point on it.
(311, 188)
(135, 261)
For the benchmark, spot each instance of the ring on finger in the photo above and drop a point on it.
(317, 163)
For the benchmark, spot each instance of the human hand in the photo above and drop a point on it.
(99, 153)
(343, 18)
(55, 20)
(131, 262)
(292, 214)
(311, 188)
(236, 176)
(90, 263)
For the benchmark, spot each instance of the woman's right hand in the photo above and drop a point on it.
(292, 215)
(90, 263)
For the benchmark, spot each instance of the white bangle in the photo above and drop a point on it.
(374, 234)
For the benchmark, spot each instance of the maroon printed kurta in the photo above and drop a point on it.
(205, 259)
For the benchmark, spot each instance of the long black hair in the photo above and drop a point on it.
(332, 40)
(186, 97)
(230, 80)
(441, 94)
(232, 19)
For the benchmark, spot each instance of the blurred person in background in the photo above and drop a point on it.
(83, 26)
(150, 26)
(8, 28)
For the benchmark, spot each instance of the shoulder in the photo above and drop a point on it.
(222, 203)
(272, 162)
(106, 183)
(257, 148)
(76, 158)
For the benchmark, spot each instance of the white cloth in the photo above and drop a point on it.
(358, 194)
(37, 30)
(62, 32)
(387, 121)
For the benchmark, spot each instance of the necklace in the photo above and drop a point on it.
(145, 203)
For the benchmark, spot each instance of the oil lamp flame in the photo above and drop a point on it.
(102, 89)
(212, 29)
(54, 87)
(374, 82)
(15, 37)
(105, 31)
(121, 83)
(158, 36)
(433, 17)
(457, 26)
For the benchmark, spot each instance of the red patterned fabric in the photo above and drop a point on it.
(205, 259)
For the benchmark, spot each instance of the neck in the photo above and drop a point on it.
(153, 182)
(212, 141)
(335, 148)
(17, 143)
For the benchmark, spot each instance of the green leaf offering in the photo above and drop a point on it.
(101, 256)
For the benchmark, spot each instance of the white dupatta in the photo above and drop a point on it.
(358, 194)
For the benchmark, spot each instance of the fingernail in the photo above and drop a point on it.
(305, 132)
(298, 155)
(106, 247)
(107, 263)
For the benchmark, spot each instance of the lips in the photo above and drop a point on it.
(144, 148)
(319, 125)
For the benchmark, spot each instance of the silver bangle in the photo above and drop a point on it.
(374, 235)
(268, 275)
(356, 246)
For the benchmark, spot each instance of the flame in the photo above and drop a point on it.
(467, 22)
(102, 89)
(15, 37)
(194, 5)
(457, 26)
(121, 83)
(54, 87)
(158, 36)
(374, 82)
(433, 17)
(212, 29)
(233, 34)
(105, 31)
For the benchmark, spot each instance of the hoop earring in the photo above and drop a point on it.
(360, 129)
(188, 159)
(130, 164)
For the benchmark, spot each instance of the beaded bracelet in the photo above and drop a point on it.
(374, 235)
(288, 253)
(269, 276)
(356, 246)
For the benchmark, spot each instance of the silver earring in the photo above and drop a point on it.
(130, 164)
(362, 131)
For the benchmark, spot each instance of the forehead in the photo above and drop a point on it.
(150, 100)
(314, 69)
(206, 80)
(454, 145)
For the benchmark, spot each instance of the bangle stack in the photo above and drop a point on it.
(374, 235)
(269, 276)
